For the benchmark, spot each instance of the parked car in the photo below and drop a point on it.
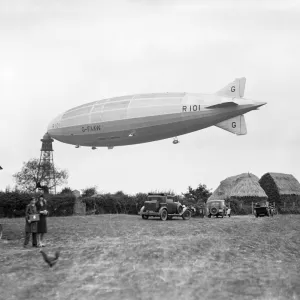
(263, 209)
(164, 207)
(217, 208)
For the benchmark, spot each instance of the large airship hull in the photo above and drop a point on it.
(144, 118)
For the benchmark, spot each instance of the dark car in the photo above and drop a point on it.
(217, 208)
(263, 209)
(164, 207)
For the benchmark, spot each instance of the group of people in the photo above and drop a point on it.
(36, 224)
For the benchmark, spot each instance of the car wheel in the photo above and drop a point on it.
(186, 215)
(164, 215)
(214, 211)
(145, 217)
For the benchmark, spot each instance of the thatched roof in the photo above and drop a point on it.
(223, 191)
(248, 188)
(287, 184)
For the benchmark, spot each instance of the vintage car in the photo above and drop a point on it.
(164, 207)
(263, 209)
(217, 208)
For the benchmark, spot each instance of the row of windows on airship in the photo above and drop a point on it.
(117, 108)
(124, 101)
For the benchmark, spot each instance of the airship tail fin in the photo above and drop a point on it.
(236, 125)
(234, 89)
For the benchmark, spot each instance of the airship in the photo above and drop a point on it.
(143, 118)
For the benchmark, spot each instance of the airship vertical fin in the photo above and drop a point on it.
(236, 125)
(234, 89)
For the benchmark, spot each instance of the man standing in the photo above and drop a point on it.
(31, 224)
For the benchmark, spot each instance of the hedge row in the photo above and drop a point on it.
(13, 204)
(114, 203)
(285, 211)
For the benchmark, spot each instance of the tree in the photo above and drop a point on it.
(66, 191)
(29, 180)
(200, 194)
(88, 192)
(140, 199)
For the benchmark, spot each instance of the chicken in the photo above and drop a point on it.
(51, 261)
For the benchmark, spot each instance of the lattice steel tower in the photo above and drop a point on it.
(46, 171)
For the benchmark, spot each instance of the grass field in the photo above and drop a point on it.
(125, 257)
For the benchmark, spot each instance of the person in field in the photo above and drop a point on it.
(30, 226)
(41, 206)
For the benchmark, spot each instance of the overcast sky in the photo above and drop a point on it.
(58, 54)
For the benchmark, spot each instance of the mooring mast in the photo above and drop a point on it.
(46, 170)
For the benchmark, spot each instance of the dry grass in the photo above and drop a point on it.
(125, 257)
(248, 187)
(224, 189)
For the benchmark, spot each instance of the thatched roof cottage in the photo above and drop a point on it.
(223, 192)
(281, 188)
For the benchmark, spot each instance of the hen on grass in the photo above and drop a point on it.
(51, 261)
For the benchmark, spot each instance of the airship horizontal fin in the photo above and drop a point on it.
(223, 105)
(236, 125)
(234, 89)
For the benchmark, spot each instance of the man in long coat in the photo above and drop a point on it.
(30, 226)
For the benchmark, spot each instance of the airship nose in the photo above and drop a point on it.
(54, 124)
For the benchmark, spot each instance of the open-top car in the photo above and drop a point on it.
(164, 207)
(217, 208)
(262, 209)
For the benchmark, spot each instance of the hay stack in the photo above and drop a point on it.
(281, 188)
(247, 191)
(223, 192)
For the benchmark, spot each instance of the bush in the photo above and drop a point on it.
(112, 204)
(14, 203)
(61, 205)
(285, 211)
(236, 208)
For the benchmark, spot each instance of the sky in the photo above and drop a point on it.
(59, 54)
